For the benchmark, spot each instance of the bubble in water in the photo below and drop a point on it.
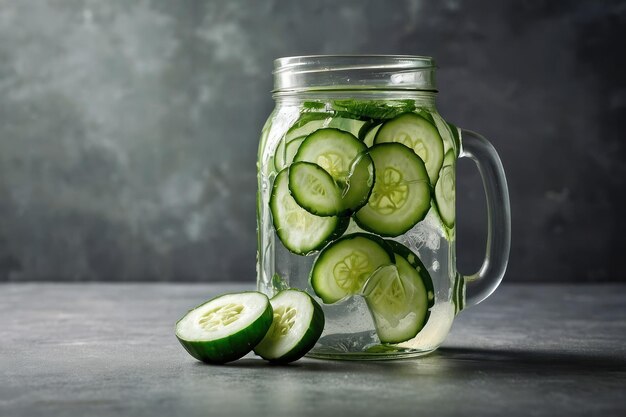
(435, 265)
(424, 235)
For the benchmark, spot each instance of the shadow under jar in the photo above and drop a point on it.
(356, 203)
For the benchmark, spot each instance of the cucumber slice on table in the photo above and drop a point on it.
(401, 194)
(399, 296)
(314, 189)
(445, 190)
(345, 265)
(418, 134)
(337, 152)
(300, 231)
(225, 328)
(298, 324)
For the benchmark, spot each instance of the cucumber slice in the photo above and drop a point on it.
(332, 149)
(445, 190)
(418, 134)
(298, 324)
(309, 122)
(369, 137)
(225, 328)
(414, 260)
(300, 231)
(401, 194)
(399, 297)
(314, 189)
(352, 126)
(359, 184)
(345, 265)
(456, 137)
(365, 129)
(285, 151)
(339, 152)
(458, 293)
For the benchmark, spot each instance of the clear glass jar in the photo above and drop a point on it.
(356, 164)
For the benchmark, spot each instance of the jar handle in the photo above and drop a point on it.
(481, 284)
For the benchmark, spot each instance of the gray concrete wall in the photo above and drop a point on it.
(129, 129)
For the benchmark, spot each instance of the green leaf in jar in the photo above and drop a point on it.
(373, 109)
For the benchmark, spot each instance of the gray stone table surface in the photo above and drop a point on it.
(109, 349)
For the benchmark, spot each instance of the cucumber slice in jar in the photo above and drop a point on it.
(332, 149)
(418, 134)
(401, 194)
(414, 260)
(399, 296)
(297, 325)
(458, 293)
(456, 137)
(352, 126)
(225, 328)
(366, 129)
(300, 231)
(345, 265)
(285, 151)
(338, 152)
(369, 137)
(309, 122)
(314, 189)
(359, 184)
(445, 191)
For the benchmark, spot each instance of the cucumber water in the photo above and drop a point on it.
(361, 201)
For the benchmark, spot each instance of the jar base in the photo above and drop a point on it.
(372, 353)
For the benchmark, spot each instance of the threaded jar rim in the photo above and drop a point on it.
(354, 72)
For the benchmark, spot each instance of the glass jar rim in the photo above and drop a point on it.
(354, 72)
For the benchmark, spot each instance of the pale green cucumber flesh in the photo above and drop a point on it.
(418, 134)
(300, 231)
(399, 297)
(314, 189)
(414, 260)
(345, 265)
(400, 197)
(359, 184)
(332, 149)
(445, 191)
(341, 155)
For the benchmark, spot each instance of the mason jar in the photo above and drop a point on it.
(356, 203)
